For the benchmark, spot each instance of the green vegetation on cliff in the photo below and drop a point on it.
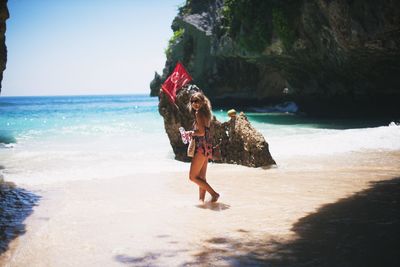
(252, 23)
(282, 27)
(252, 32)
(174, 39)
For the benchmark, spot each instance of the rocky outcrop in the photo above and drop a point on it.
(3, 49)
(238, 142)
(235, 141)
(336, 57)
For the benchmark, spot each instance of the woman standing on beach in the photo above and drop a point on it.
(200, 107)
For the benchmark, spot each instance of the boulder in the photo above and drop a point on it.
(235, 141)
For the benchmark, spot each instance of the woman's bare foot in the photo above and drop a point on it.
(215, 197)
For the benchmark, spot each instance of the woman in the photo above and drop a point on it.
(200, 107)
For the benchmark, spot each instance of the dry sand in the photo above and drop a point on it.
(282, 216)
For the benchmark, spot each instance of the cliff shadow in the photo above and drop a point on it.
(319, 122)
(16, 204)
(361, 230)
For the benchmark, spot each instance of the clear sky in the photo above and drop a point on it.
(73, 47)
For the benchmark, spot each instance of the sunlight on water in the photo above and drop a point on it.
(49, 139)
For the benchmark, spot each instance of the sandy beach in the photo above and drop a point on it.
(310, 211)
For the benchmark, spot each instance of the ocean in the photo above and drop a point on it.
(61, 138)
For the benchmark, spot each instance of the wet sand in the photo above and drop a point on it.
(315, 211)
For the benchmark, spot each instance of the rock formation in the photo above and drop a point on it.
(235, 141)
(3, 49)
(336, 57)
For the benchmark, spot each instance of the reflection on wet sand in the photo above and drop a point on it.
(215, 206)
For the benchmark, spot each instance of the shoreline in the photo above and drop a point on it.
(145, 220)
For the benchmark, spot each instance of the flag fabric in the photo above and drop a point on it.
(175, 81)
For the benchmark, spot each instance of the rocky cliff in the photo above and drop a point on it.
(3, 49)
(331, 57)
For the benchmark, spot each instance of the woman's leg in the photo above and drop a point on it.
(194, 174)
(203, 171)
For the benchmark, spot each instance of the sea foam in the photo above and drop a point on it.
(329, 141)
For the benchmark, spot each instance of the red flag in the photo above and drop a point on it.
(175, 81)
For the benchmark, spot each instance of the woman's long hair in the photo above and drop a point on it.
(205, 106)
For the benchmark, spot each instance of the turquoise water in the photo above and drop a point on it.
(44, 139)
(30, 117)
(41, 117)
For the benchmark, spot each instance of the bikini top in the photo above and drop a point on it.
(206, 135)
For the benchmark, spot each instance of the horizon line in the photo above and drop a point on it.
(106, 94)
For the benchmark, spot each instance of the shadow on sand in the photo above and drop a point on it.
(361, 230)
(16, 204)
